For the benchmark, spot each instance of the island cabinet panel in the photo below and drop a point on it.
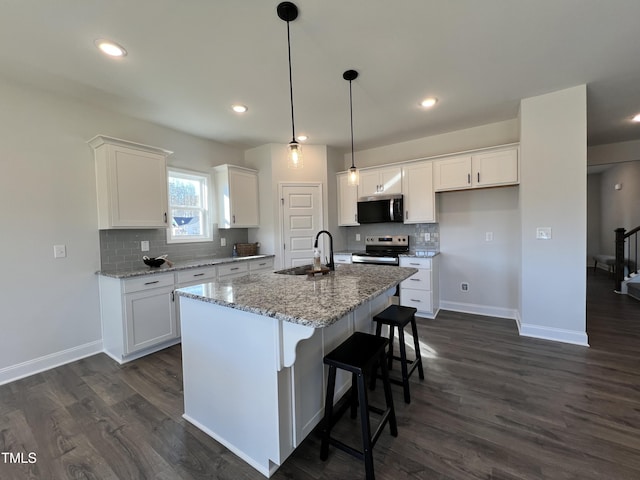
(256, 383)
(131, 181)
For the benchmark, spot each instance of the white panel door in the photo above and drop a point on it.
(301, 221)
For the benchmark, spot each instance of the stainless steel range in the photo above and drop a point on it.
(382, 250)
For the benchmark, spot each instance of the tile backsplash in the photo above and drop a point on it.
(415, 231)
(120, 249)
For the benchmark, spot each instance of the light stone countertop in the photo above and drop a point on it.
(312, 301)
(201, 262)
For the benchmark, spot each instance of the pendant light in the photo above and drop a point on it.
(354, 176)
(288, 12)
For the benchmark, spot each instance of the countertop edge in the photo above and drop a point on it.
(178, 266)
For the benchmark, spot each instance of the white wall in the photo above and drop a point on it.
(489, 135)
(553, 180)
(491, 268)
(47, 190)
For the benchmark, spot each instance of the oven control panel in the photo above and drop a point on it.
(387, 240)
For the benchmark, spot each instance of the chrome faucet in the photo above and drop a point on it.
(331, 265)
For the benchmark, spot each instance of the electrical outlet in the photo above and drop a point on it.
(59, 251)
(223, 242)
(144, 246)
(543, 233)
(488, 237)
(464, 286)
(357, 237)
(427, 237)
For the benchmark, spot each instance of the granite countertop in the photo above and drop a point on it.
(202, 262)
(312, 301)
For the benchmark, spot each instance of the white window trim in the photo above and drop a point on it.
(180, 172)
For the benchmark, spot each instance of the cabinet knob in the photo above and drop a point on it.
(165, 217)
(233, 219)
(469, 178)
(478, 177)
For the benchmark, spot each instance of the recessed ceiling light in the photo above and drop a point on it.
(636, 118)
(239, 108)
(110, 48)
(302, 138)
(429, 102)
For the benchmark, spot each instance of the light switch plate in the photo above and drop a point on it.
(357, 237)
(543, 233)
(223, 242)
(488, 237)
(144, 246)
(59, 251)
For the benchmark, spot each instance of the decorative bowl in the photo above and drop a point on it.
(154, 262)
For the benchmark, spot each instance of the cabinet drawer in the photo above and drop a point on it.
(262, 265)
(342, 258)
(194, 274)
(418, 281)
(415, 262)
(147, 282)
(418, 299)
(233, 268)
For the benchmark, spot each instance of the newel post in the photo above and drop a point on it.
(619, 267)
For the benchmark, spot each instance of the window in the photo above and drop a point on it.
(189, 207)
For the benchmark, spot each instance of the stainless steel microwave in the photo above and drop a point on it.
(380, 209)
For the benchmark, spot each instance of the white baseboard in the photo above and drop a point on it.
(555, 334)
(37, 365)
(525, 330)
(476, 309)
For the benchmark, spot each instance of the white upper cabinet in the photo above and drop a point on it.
(131, 183)
(419, 196)
(347, 201)
(495, 168)
(380, 181)
(486, 169)
(237, 191)
(452, 173)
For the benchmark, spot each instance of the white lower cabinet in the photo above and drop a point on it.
(261, 265)
(421, 289)
(138, 315)
(233, 270)
(342, 258)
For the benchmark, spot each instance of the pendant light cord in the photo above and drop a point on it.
(351, 119)
(293, 124)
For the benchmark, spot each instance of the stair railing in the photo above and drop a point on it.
(628, 260)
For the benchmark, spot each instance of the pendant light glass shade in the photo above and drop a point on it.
(295, 156)
(354, 176)
(288, 12)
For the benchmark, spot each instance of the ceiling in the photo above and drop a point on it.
(189, 60)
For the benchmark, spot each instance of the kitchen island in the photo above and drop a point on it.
(252, 351)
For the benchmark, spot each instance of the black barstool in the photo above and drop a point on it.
(358, 355)
(400, 316)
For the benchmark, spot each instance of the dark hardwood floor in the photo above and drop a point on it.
(493, 406)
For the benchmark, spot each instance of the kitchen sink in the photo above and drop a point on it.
(299, 270)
